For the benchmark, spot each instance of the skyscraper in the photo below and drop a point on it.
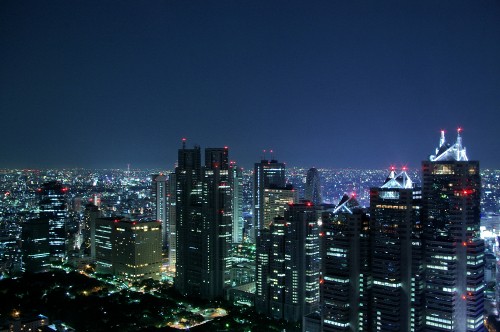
(159, 194)
(236, 178)
(35, 245)
(204, 223)
(454, 252)
(267, 174)
(90, 214)
(288, 265)
(346, 274)
(396, 255)
(53, 206)
(313, 187)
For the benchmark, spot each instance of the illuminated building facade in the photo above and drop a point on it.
(276, 201)
(454, 252)
(288, 265)
(130, 250)
(203, 223)
(397, 267)
(237, 188)
(52, 203)
(172, 221)
(313, 187)
(346, 273)
(159, 194)
(267, 174)
(137, 249)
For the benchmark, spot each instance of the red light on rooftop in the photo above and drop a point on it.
(116, 220)
(405, 168)
(464, 244)
(321, 281)
(225, 148)
(184, 139)
(459, 129)
(463, 297)
(321, 234)
(309, 204)
(134, 223)
(353, 195)
(393, 168)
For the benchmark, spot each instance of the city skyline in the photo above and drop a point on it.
(97, 85)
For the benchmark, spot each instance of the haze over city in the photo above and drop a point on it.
(328, 84)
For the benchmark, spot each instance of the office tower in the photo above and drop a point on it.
(204, 223)
(276, 201)
(396, 255)
(267, 174)
(90, 214)
(128, 249)
(102, 244)
(172, 220)
(237, 188)
(137, 249)
(189, 198)
(288, 265)
(53, 206)
(454, 252)
(218, 214)
(346, 274)
(313, 187)
(35, 245)
(159, 194)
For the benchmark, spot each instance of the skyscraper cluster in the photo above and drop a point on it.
(412, 261)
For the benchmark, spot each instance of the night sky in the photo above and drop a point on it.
(362, 84)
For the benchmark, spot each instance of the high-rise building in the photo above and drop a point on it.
(267, 174)
(288, 265)
(137, 250)
(454, 252)
(172, 221)
(90, 214)
(236, 178)
(102, 244)
(204, 223)
(397, 266)
(128, 249)
(52, 202)
(276, 201)
(35, 245)
(159, 194)
(346, 274)
(313, 187)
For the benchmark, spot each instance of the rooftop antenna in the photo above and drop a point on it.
(263, 154)
(183, 143)
(272, 154)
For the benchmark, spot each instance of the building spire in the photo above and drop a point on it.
(442, 140)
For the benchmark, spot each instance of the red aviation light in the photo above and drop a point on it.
(184, 139)
(464, 244)
(321, 281)
(353, 195)
(116, 220)
(309, 204)
(392, 168)
(225, 148)
(65, 189)
(321, 234)
(405, 168)
(459, 129)
(464, 297)
(134, 223)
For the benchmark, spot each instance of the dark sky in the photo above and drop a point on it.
(361, 84)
